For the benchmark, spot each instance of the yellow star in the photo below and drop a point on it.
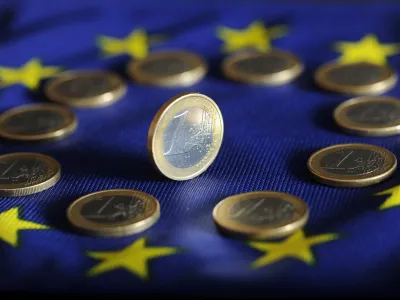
(11, 224)
(393, 200)
(368, 49)
(296, 246)
(29, 74)
(133, 258)
(255, 36)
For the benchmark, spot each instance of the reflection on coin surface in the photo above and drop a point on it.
(356, 78)
(27, 173)
(185, 136)
(86, 88)
(37, 122)
(369, 116)
(352, 165)
(261, 215)
(168, 69)
(114, 213)
(273, 68)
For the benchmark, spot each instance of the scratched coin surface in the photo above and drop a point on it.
(261, 215)
(86, 88)
(185, 136)
(27, 173)
(352, 165)
(114, 213)
(356, 78)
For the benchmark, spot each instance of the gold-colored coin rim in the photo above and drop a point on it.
(273, 79)
(155, 142)
(120, 229)
(16, 190)
(184, 79)
(385, 84)
(71, 122)
(102, 100)
(339, 180)
(352, 127)
(220, 215)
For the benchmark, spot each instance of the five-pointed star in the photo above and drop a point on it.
(133, 258)
(11, 224)
(368, 49)
(296, 246)
(255, 36)
(29, 74)
(393, 200)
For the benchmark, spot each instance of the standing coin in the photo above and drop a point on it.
(185, 136)
(37, 122)
(261, 215)
(114, 213)
(27, 173)
(168, 69)
(352, 165)
(86, 88)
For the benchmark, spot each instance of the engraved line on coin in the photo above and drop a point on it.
(245, 212)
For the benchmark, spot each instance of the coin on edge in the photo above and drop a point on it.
(356, 78)
(114, 213)
(37, 122)
(27, 173)
(168, 69)
(369, 116)
(86, 89)
(261, 215)
(185, 136)
(352, 165)
(273, 68)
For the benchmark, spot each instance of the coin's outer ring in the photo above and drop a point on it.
(184, 79)
(377, 88)
(330, 179)
(274, 79)
(228, 226)
(121, 229)
(68, 115)
(351, 127)
(18, 190)
(103, 100)
(160, 122)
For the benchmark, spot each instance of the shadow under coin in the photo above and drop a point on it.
(298, 165)
(56, 213)
(323, 117)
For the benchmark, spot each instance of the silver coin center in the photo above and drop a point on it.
(23, 171)
(85, 87)
(167, 66)
(374, 113)
(261, 65)
(356, 74)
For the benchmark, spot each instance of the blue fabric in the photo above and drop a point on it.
(269, 135)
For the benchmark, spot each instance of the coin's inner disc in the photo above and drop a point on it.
(90, 86)
(167, 66)
(356, 74)
(266, 64)
(23, 170)
(374, 113)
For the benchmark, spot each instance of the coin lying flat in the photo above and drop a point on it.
(27, 173)
(185, 136)
(86, 88)
(114, 213)
(356, 78)
(261, 215)
(168, 69)
(352, 165)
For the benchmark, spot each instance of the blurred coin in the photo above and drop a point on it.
(185, 136)
(114, 213)
(352, 165)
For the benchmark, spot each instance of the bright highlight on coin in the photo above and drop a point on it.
(261, 215)
(27, 173)
(114, 213)
(168, 69)
(185, 136)
(352, 165)
(38, 122)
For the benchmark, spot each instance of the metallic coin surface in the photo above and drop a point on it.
(352, 165)
(261, 215)
(86, 88)
(185, 136)
(37, 122)
(356, 78)
(27, 173)
(114, 213)
(273, 68)
(168, 69)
